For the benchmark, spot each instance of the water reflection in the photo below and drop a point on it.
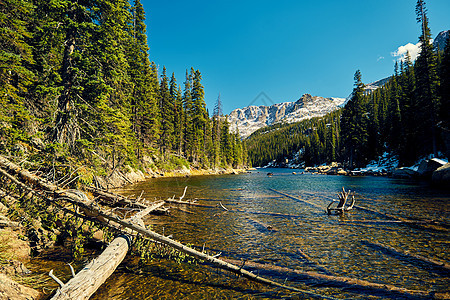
(338, 245)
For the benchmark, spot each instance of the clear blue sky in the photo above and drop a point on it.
(283, 48)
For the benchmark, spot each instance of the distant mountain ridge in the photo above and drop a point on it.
(249, 119)
(441, 40)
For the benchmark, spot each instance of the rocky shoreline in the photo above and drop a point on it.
(119, 179)
(435, 170)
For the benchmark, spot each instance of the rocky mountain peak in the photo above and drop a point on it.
(249, 119)
(441, 40)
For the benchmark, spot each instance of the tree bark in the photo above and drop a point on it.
(95, 273)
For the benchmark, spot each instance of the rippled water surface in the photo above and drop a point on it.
(334, 245)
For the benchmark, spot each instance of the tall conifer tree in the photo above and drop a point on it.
(15, 60)
(427, 101)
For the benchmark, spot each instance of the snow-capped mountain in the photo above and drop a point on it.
(249, 119)
(370, 87)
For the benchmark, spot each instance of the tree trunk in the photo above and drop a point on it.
(95, 273)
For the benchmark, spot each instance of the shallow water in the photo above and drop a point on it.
(336, 245)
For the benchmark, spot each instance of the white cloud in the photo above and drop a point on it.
(413, 50)
(380, 58)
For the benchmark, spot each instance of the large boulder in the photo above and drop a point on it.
(428, 166)
(441, 176)
(404, 173)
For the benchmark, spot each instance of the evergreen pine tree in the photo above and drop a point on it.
(188, 117)
(199, 114)
(167, 110)
(177, 113)
(354, 126)
(395, 129)
(408, 151)
(15, 60)
(79, 26)
(145, 118)
(427, 102)
(216, 126)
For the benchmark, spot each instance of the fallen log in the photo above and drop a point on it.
(338, 280)
(298, 199)
(423, 224)
(148, 210)
(137, 218)
(27, 176)
(173, 201)
(94, 274)
(114, 199)
(304, 255)
(410, 257)
(224, 208)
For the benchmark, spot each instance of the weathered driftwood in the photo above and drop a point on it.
(411, 257)
(297, 199)
(275, 214)
(338, 280)
(223, 207)
(115, 199)
(28, 177)
(95, 273)
(173, 201)
(148, 210)
(343, 196)
(137, 218)
(184, 193)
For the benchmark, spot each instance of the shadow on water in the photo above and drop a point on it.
(409, 259)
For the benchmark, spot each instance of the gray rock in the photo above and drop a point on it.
(404, 173)
(441, 177)
(427, 167)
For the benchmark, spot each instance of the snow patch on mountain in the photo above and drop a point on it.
(249, 119)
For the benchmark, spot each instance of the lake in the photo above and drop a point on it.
(302, 236)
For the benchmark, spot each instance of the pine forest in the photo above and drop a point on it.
(77, 80)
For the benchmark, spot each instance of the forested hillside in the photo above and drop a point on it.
(77, 81)
(408, 117)
(311, 141)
